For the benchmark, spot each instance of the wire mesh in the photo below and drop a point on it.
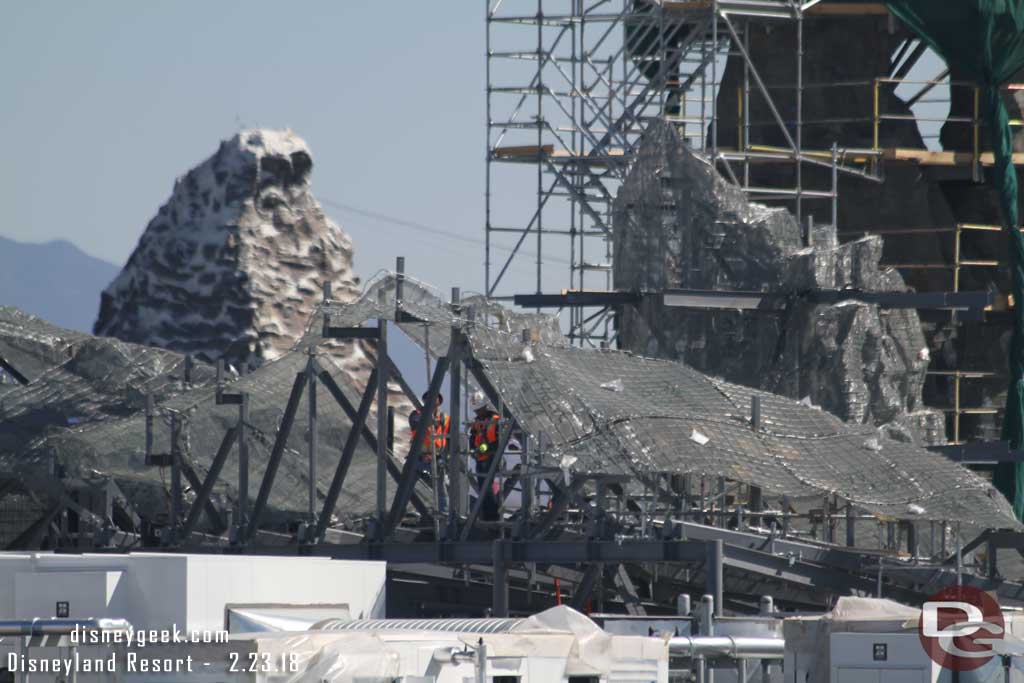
(600, 412)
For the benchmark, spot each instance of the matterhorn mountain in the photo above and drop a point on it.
(234, 263)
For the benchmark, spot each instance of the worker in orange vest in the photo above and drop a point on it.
(483, 440)
(435, 447)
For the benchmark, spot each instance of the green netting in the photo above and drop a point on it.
(985, 38)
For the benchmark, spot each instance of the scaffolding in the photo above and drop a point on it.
(571, 88)
(961, 163)
(573, 85)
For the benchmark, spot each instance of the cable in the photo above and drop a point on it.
(394, 220)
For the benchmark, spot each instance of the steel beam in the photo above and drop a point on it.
(715, 583)
(30, 538)
(980, 452)
(351, 332)
(456, 457)
(276, 453)
(770, 301)
(499, 454)
(482, 552)
(577, 298)
(347, 454)
(559, 505)
(7, 367)
(197, 484)
(766, 301)
(383, 374)
(585, 587)
(410, 471)
(204, 490)
(628, 592)
(499, 600)
(175, 476)
(314, 435)
(243, 463)
(368, 436)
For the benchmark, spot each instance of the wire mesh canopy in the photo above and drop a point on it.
(600, 412)
(611, 412)
(83, 415)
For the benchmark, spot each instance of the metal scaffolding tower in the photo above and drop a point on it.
(571, 88)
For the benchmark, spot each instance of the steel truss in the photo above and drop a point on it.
(641, 540)
(571, 88)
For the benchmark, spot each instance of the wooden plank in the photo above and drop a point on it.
(848, 9)
(927, 157)
(821, 9)
(522, 150)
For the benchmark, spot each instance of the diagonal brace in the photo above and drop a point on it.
(347, 454)
(559, 505)
(410, 471)
(503, 439)
(277, 452)
(368, 436)
(204, 490)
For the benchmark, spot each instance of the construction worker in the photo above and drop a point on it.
(434, 448)
(483, 440)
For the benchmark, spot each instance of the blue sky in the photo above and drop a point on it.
(105, 103)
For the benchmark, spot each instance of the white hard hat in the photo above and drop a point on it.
(478, 400)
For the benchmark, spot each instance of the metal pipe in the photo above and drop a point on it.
(683, 605)
(735, 647)
(799, 111)
(39, 627)
(714, 83)
(481, 661)
(487, 164)
(540, 146)
(835, 189)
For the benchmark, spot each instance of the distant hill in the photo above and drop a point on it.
(56, 281)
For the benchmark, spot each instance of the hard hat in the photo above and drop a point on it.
(479, 401)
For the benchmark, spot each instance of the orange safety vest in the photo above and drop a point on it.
(438, 431)
(484, 432)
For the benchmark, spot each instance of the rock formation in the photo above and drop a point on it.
(852, 51)
(678, 224)
(235, 261)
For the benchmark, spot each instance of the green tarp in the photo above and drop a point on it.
(985, 38)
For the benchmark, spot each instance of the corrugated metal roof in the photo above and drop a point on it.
(437, 625)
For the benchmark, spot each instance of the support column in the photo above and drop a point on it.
(714, 574)
(499, 600)
(456, 459)
(242, 514)
(851, 526)
(314, 437)
(756, 501)
(383, 363)
(175, 520)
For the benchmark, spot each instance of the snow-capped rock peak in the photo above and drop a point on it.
(234, 263)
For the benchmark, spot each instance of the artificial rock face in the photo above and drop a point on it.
(234, 263)
(678, 224)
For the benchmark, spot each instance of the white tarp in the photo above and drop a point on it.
(596, 652)
(807, 638)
